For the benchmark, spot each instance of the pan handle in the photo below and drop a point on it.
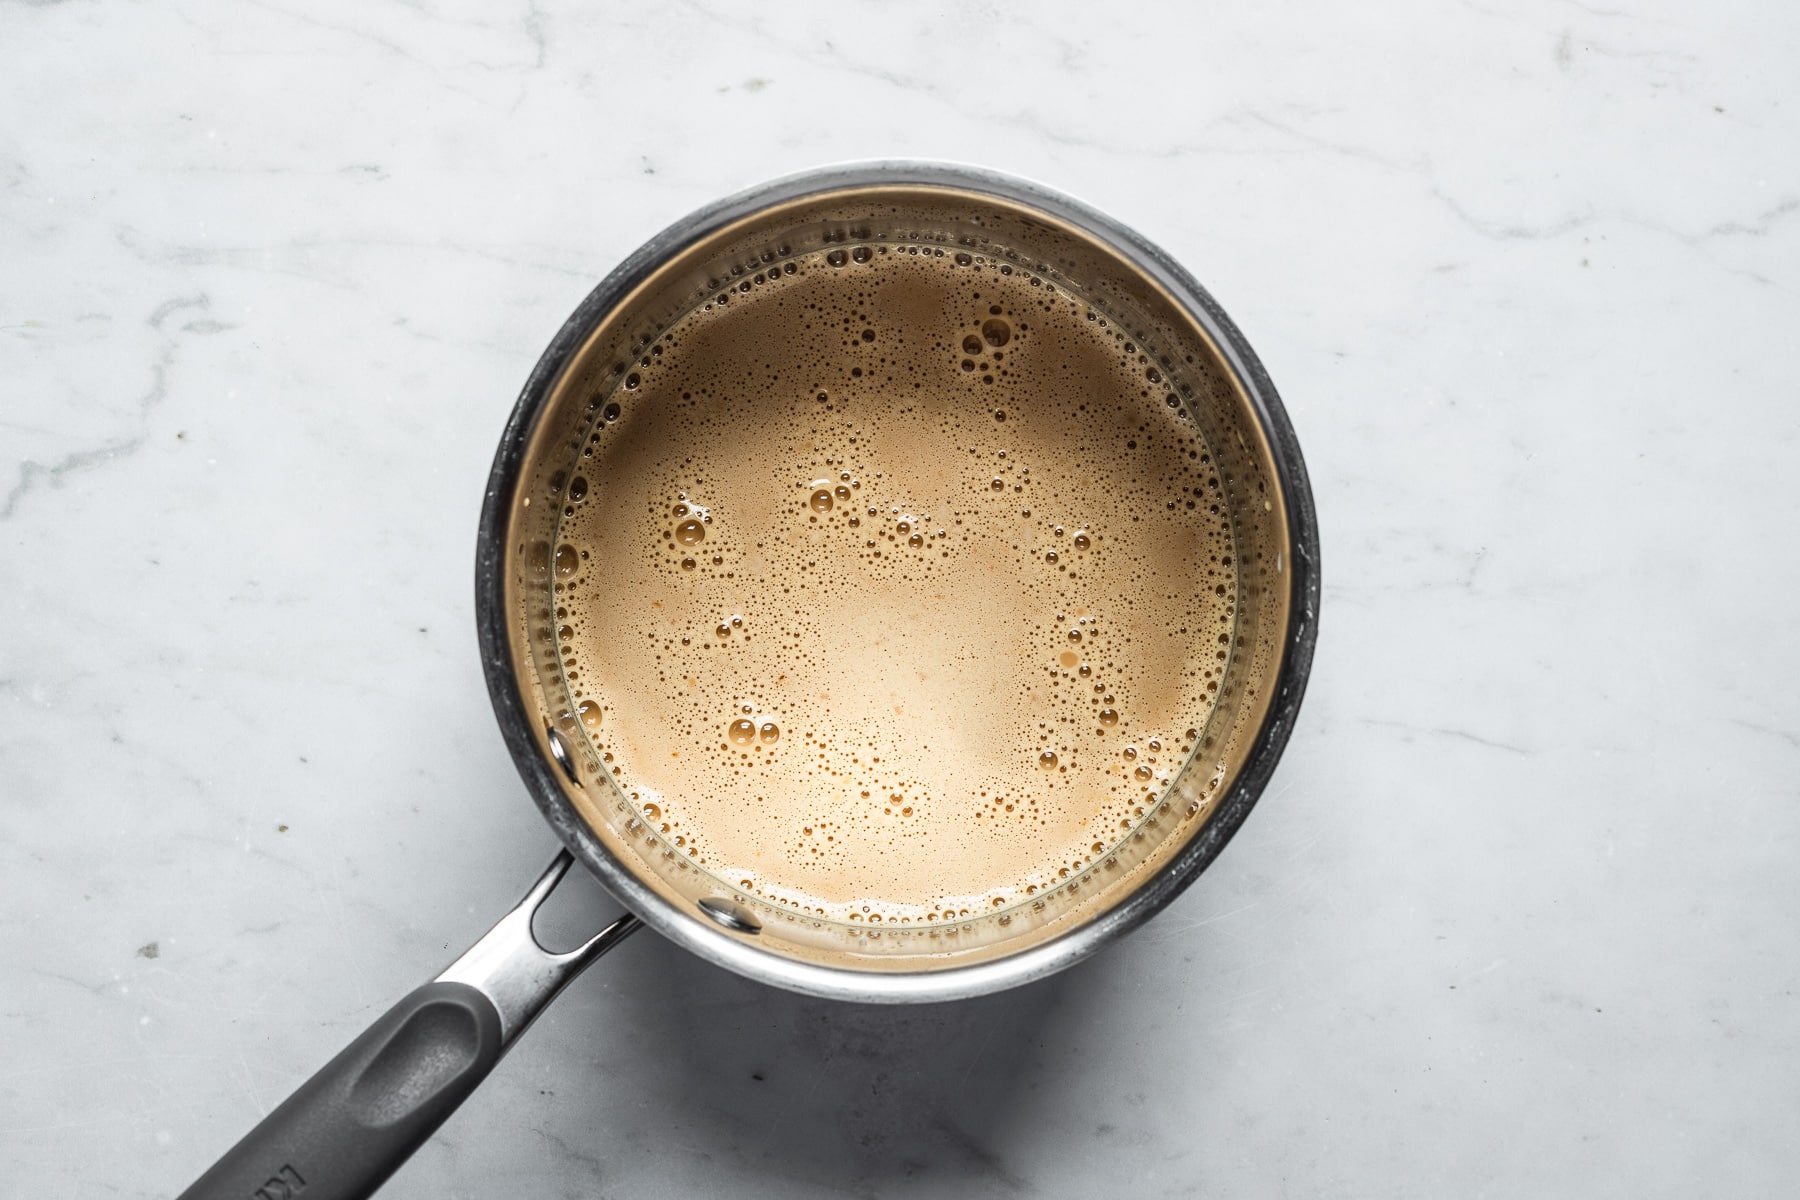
(351, 1125)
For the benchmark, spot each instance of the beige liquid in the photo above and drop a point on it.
(894, 588)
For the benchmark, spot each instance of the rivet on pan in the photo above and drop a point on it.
(559, 750)
(730, 915)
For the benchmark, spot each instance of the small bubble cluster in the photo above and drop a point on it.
(893, 584)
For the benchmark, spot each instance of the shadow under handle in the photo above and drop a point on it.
(366, 1111)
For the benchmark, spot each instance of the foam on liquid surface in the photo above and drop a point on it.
(893, 588)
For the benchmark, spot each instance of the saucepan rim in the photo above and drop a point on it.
(745, 955)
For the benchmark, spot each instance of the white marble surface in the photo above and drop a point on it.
(1518, 916)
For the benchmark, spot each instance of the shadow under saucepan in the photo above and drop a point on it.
(845, 1097)
(699, 1081)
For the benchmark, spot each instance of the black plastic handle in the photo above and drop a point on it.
(351, 1125)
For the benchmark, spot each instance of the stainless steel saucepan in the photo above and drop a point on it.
(350, 1126)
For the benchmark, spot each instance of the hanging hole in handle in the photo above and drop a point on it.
(569, 915)
(559, 750)
(730, 915)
